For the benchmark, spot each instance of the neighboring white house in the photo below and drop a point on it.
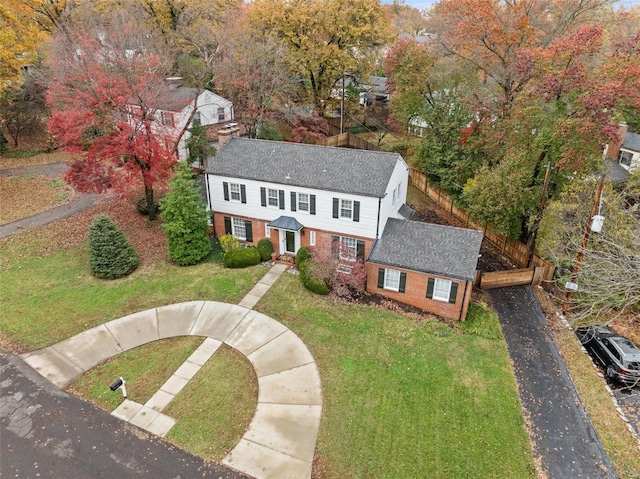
(175, 105)
(629, 155)
(623, 155)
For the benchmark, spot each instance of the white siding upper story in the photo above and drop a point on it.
(349, 192)
(322, 219)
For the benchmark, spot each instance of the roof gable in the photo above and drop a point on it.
(428, 248)
(343, 170)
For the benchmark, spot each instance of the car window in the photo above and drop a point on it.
(611, 348)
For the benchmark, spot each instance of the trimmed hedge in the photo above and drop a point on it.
(302, 255)
(310, 280)
(265, 247)
(111, 255)
(241, 257)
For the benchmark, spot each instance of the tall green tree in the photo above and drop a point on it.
(185, 219)
(326, 38)
(198, 145)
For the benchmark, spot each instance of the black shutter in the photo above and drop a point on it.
(403, 282)
(381, 278)
(281, 198)
(453, 292)
(360, 250)
(243, 193)
(293, 201)
(263, 196)
(336, 205)
(335, 246)
(225, 188)
(248, 231)
(312, 204)
(227, 225)
(356, 211)
(430, 285)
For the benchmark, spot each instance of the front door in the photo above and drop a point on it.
(290, 242)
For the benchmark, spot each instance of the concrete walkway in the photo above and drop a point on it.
(281, 438)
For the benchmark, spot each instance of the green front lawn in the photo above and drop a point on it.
(46, 300)
(403, 399)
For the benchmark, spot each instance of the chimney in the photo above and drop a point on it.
(174, 82)
(613, 148)
(227, 132)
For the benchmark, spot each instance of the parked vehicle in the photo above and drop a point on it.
(617, 354)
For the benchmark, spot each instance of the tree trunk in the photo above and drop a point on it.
(151, 204)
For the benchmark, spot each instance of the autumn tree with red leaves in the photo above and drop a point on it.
(103, 94)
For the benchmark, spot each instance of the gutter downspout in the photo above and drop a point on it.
(378, 223)
(464, 300)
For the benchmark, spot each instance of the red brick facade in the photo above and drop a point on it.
(415, 292)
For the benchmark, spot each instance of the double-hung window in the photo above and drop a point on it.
(392, 279)
(625, 158)
(348, 248)
(234, 190)
(239, 228)
(221, 115)
(346, 209)
(272, 197)
(303, 202)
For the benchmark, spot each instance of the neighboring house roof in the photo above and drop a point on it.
(631, 142)
(343, 170)
(176, 99)
(615, 172)
(428, 248)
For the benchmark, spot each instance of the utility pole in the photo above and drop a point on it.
(585, 240)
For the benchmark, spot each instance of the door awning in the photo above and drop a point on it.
(286, 223)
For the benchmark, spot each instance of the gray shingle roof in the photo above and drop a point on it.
(286, 223)
(344, 170)
(631, 142)
(428, 248)
(175, 99)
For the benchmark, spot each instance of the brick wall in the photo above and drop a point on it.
(415, 293)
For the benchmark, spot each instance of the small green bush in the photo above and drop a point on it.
(310, 279)
(241, 257)
(269, 131)
(111, 255)
(229, 242)
(302, 255)
(265, 247)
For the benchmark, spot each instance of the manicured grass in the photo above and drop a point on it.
(144, 369)
(45, 300)
(216, 407)
(403, 399)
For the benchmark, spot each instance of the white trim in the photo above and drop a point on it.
(243, 228)
(238, 192)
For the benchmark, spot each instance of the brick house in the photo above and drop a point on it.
(339, 199)
(425, 265)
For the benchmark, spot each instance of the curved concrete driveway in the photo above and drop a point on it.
(281, 438)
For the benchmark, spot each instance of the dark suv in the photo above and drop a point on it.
(619, 356)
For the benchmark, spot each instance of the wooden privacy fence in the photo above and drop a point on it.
(515, 277)
(515, 250)
(349, 140)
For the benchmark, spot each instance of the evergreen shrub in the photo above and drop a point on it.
(241, 257)
(265, 247)
(310, 278)
(111, 255)
(302, 255)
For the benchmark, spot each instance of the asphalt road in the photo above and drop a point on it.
(565, 444)
(47, 433)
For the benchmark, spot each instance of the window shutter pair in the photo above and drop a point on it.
(403, 280)
(453, 292)
(243, 192)
(356, 209)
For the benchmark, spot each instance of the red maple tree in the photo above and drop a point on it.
(103, 98)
